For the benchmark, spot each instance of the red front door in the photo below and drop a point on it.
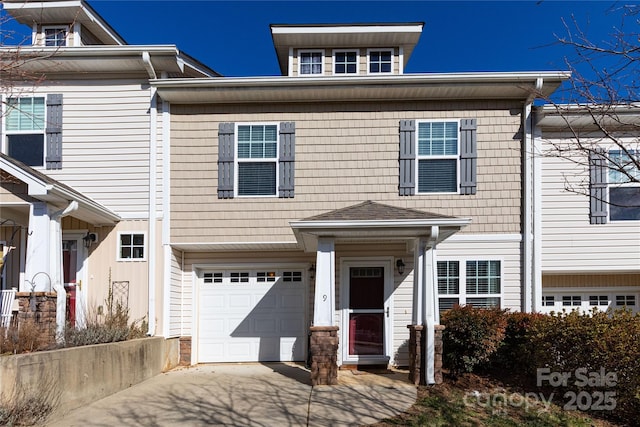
(366, 311)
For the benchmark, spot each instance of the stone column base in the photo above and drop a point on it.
(323, 348)
(39, 309)
(417, 353)
(185, 351)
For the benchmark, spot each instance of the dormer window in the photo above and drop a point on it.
(55, 36)
(311, 62)
(345, 62)
(380, 61)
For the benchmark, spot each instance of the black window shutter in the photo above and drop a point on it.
(226, 151)
(287, 142)
(407, 159)
(598, 187)
(468, 156)
(53, 131)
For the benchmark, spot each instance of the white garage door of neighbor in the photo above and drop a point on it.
(251, 316)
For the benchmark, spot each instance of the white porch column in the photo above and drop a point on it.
(324, 300)
(38, 262)
(425, 299)
(55, 270)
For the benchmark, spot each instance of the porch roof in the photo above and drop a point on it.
(375, 222)
(44, 188)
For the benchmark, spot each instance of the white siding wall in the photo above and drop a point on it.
(176, 291)
(105, 142)
(505, 248)
(569, 242)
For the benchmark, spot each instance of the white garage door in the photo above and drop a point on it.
(252, 316)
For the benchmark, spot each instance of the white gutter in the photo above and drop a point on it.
(101, 50)
(153, 160)
(310, 225)
(507, 77)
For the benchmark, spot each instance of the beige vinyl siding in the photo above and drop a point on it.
(104, 266)
(105, 145)
(569, 242)
(600, 281)
(506, 251)
(345, 154)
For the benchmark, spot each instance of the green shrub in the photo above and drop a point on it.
(471, 337)
(514, 353)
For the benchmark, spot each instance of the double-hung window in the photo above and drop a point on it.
(624, 185)
(25, 129)
(55, 36)
(257, 159)
(345, 62)
(437, 156)
(380, 61)
(473, 282)
(310, 62)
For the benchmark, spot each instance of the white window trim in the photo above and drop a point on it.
(423, 157)
(462, 294)
(237, 160)
(333, 61)
(145, 246)
(322, 63)
(4, 132)
(393, 56)
(65, 28)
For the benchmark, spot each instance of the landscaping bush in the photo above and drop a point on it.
(113, 326)
(471, 336)
(514, 352)
(605, 342)
(27, 338)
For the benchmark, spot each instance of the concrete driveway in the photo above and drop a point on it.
(249, 395)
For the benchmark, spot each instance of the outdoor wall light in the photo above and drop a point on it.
(89, 239)
(400, 266)
(312, 271)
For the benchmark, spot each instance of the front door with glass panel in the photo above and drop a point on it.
(366, 315)
(73, 255)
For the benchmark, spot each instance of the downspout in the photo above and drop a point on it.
(529, 227)
(55, 268)
(153, 160)
(146, 59)
(166, 218)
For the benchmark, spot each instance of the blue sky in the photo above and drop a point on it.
(233, 37)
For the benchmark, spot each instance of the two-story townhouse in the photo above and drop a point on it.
(325, 210)
(81, 163)
(590, 216)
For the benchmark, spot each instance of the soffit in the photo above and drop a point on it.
(414, 87)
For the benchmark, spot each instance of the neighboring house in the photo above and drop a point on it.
(80, 196)
(319, 198)
(591, 241)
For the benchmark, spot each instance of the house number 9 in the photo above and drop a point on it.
(324, 298)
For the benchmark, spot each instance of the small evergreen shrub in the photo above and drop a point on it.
(471, 336)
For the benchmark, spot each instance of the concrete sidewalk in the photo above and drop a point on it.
(249, 395)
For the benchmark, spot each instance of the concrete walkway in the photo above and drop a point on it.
(249, 395)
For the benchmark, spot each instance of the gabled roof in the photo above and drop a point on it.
(365, 35)
(45, 188)
(111, 55)
(372, 211)
(63, 11)
(376, 222)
